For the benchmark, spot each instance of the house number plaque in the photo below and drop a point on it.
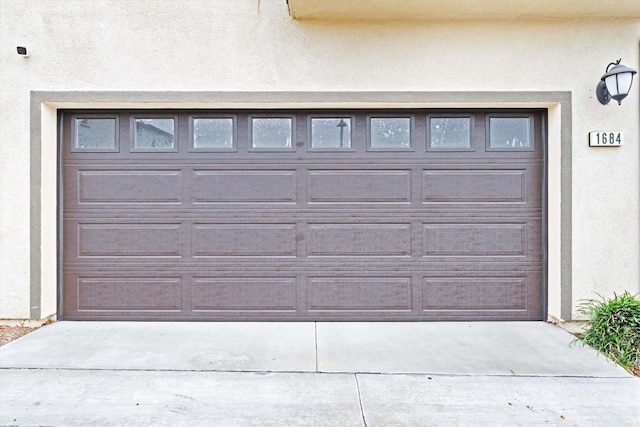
(606, 139)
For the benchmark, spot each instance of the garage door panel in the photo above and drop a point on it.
(128, 293)
(359, 186)
(359, 240)
(130, 240)
(341, 293)
(474, 240)
(464, 186)
(495, 188)
(244, 294)
(244, 186)
(114, 186)
(498, 241)
(233, 240)
(480, 292)
(130, 186)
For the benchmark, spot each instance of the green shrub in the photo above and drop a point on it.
(614, 328)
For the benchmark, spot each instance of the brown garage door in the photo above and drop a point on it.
(302, 215)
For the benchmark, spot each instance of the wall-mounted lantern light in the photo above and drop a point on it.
(615, 83)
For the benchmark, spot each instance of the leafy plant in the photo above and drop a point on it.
(614, 328)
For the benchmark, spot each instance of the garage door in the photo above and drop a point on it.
(302, 215)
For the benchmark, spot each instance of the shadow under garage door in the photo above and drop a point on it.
(302, 215)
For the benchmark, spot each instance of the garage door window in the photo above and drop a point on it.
(95, 134)
(330, 133)
(154, 134)
(269, 133)
(213, 133)
(390, 133)
(449, 133)
(510, 134)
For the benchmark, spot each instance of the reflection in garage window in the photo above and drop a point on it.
(510, 133)
(450, 133)
(154, 134)
(95, 134)
(331, 132)
(391, 133)
(215, 133)
(271, 132)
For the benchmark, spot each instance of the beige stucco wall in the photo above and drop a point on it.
(246, 45)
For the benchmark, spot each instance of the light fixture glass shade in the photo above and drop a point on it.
(619, 85)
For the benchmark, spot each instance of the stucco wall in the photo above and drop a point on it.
(246, 45)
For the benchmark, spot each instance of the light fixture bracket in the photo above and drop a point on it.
(602, 93)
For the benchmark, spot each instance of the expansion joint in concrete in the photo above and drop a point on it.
(315, 337)
(364, 419)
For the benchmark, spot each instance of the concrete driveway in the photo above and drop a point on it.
(288, 374)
